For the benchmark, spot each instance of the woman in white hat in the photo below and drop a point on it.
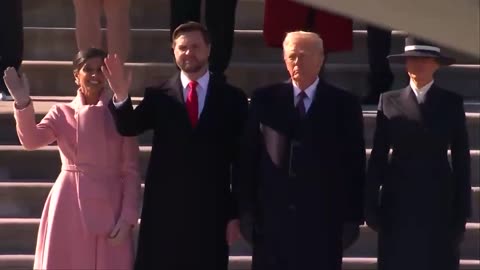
(416, 200)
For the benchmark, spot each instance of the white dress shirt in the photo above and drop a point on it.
(310, 91)
(201, 90)
(422, 92)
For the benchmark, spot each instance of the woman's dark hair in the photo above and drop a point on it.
(84, 55)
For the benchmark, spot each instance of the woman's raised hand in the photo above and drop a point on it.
(117, 77)
(17, 86)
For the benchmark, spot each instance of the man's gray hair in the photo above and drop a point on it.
(311, 36)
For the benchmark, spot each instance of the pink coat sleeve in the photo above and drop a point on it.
(131, 181)
(32, 135)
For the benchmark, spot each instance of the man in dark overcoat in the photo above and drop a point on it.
(189, 215)
(417, 200)
(302, 166)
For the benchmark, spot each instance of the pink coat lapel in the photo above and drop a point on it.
(92, 125)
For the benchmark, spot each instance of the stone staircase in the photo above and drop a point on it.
(27, 176)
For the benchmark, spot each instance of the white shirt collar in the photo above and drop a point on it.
(202, 81)
(422, 92)
(310, 91)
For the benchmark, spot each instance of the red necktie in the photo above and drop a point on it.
(192, 103)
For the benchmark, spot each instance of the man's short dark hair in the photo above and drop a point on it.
(191, 27)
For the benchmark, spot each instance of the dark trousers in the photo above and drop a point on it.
(380, 76)
(220, 22)
(11, 37)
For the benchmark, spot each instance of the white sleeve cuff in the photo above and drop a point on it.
(118, 103)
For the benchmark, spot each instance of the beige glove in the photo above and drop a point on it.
(18, 87)
(118, 78)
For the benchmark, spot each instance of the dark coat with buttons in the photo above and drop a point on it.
(422, 206)
(188, 201)
(301, 179)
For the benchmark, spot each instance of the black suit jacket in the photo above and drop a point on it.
(424, 198)
(188, 199)
(302, 179)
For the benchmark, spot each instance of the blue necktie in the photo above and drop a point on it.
(301, 104)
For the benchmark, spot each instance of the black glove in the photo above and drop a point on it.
(247, 227)
(372, 218)
(458, 233)
(373, 222)
(351, 232)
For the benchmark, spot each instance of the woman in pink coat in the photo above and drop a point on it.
(89, 214)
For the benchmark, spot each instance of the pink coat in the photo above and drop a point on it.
(98, 185)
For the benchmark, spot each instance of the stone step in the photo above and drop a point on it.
(148, 14)
(8, 136)
(25, 262)
(54, 78)
(143, 14)
(26, 199)
(42, 104)
(44, 163)
(153, 45)
(19, 237)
